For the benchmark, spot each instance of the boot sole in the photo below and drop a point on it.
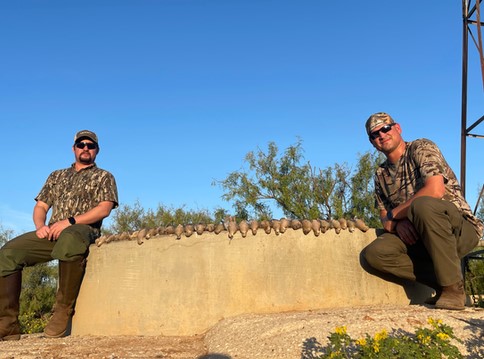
(60, 335)
(10, 337)
(449, 307)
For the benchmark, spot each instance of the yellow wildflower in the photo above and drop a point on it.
(443, 336)
(432, 321)
(381, 335)
(361, 341)
(340, 330)
(424, 339)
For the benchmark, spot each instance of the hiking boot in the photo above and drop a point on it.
(10, 287)
(453, 297)
(58, 324)
(70, 279)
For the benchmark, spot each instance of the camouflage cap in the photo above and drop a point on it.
(85, 134)
(377, 119)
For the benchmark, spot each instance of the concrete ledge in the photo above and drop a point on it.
(167, 286)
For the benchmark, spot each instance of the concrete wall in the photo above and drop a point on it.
(167, 286)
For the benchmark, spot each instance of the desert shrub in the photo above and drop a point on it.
(474, 275)
(430, 342)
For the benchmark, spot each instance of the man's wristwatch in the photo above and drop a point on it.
(71, 220)
(390, 215)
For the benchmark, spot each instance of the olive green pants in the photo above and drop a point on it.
(28, 249)
(445, 237)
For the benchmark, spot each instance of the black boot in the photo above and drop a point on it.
(10, 287)
(70, 279)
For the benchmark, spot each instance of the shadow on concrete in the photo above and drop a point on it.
(214, 356)
(475, 345)
(311, 349)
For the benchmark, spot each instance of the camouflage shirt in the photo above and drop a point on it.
(396, 183)
(70, 193)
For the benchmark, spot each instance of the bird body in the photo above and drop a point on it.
(254, 225)
(316, 227)
(179, 231)
(276, 226)
(336, 225)
(243, 228)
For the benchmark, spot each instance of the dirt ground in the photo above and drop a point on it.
(285, 335)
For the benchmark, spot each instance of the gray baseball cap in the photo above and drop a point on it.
(86, 134)
(378, 119)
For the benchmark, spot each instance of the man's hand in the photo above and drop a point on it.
(43, 232)
(406, 231)
(389, 225)
(57, 228)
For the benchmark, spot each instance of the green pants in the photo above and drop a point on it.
(28, 249)
(445, 237)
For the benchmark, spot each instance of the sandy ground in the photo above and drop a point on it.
(285, 335)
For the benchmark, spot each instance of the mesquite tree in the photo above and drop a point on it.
(290, 183)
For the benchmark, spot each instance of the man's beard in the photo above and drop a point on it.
(85, 158)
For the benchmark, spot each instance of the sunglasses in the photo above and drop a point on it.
(375, 134)
(90, 146)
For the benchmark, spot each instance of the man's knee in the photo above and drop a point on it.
(73, 243)
(10, 261)
(422, 206)
(374, 253)
(383, 250)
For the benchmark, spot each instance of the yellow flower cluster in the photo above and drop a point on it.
(424, 339)
(434, 322)
(361, 341)
(381, 335)
(340, 330)
(443, 336)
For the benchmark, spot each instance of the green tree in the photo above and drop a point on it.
(299, 190)
(5, 235)
(37, 297)
(132, 218)
(129, 219)
(362, 189)
(480, 205)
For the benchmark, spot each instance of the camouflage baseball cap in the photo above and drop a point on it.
(378, 119)
(85, 134)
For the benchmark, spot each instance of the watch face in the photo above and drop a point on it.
(72, 220)
(390, 215)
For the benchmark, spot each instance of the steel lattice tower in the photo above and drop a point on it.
(471, 14)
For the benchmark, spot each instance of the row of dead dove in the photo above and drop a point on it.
(278, 226)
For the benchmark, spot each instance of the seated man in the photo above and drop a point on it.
(80, 196)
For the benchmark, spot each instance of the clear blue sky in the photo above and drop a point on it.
(180, 90)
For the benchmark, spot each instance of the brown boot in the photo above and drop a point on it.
(10, 287)
(70, 279)
(453, 297)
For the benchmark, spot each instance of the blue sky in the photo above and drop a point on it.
(180, 90)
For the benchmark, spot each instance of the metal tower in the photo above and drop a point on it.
(471, 12)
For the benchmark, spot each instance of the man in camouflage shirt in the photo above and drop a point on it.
(428, 224)
(80, 197)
